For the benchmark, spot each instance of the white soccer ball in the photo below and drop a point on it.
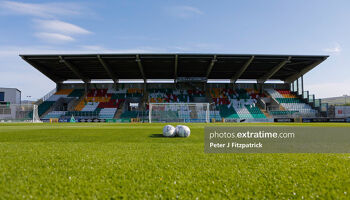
(169, 131)
(182, 131)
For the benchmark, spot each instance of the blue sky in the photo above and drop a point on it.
(263, 27)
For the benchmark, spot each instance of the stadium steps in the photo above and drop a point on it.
(80, 104)
(144, 100)
(265, 113)
(47, 111)
(52, 107)
(282, 108)
(48, 95)
(119, 112)
(76, 93)
(275, 101)
(73, 104)
(145, 97)
(208, 96)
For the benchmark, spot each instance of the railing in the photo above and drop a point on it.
(261, 103)
(293, 114)
(46, 97)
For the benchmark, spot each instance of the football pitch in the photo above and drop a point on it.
(134, 161)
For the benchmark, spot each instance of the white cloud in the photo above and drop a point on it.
(184, 11)
(336, 49)
(40, 10)
(58, 26)
(54, 37)
(55, 31)
(50, 30)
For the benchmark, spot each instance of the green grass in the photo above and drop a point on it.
(114, 161)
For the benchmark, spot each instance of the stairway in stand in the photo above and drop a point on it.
(265, 113)
(119, 111)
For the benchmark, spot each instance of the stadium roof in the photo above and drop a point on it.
(89, 67)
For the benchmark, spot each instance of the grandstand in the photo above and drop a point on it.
(215, 79)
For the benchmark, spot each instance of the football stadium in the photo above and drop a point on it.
(174, 100)
(101, 136)
(186, 88)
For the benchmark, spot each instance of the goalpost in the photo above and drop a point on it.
(19, 113)
(178, 112)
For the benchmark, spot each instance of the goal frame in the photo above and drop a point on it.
(207, 106)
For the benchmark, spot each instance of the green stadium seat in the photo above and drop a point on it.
(77, 93)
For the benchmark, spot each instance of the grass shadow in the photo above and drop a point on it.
(156, 135)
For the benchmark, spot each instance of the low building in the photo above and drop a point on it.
(10, 95)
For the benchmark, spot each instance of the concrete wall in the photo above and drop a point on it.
(11, 95)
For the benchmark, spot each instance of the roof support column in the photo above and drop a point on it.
(302, 85)
(298, 86)
(74, 69)
(175, 70)
(108, 70)
(241, 70)
(274, 70)
(138, 60)
(211, 65)
(86, 87)
(58, 86)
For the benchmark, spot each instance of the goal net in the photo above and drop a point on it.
(19, 113)
(178, 112)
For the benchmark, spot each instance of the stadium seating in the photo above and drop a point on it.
(163, 96)
(288, 100)
(98, 103)
(129, 114)
(294, 107)
(76, 93)
(286, 94)
(82, 114)
(63, 93)
(229, 103)
(54, 114)
(44, 106)
(282, 112)
(240, 103)
(255, 112)
(254, 93)
(173, 96)
(274, 93)
(107, 113)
